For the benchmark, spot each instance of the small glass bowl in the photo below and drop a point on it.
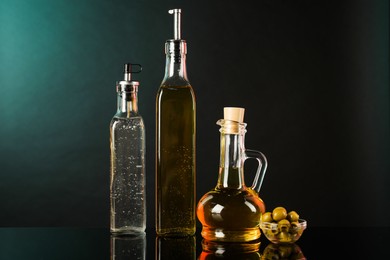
(280, 233)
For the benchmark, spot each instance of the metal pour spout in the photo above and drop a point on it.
(176, 23)
(129, 70)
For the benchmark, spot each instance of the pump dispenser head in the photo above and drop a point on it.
(129, 69)
(127, 84)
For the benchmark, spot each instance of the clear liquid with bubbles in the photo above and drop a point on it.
(127, 183)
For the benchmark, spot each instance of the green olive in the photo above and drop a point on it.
(274, 231)
(284, 237)
(267, 217)
(295, 226)
(292, 216)
(284, 225)
(279, 213)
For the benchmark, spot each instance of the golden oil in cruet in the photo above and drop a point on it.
(231, 211)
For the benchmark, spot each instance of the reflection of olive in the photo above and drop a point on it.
(267, 217)
(282, 251)
(270, 253)
(279, 213)
(292, 216)
(297, 256)
(285, 251)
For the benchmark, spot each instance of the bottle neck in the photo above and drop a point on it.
(231, 170)
(175, 67)
(127, 104)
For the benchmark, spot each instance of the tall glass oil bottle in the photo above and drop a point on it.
(175, 142)
(231, 211)
(127, 143)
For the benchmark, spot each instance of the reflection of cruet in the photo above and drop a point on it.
(231, 212)
(230, 250)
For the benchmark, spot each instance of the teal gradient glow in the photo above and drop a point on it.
(313, 77)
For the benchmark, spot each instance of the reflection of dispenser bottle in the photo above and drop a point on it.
(127, 143)
(231, 211)
(128, 247)
(176, 248)
(175, 142)
(234, 251)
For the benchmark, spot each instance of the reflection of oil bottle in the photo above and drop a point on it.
(176, 248)
(234, 251)
(175, 143)
(128, 247)
(231, 212)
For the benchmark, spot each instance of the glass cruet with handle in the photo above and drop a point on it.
(231, 212)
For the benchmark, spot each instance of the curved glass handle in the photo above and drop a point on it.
(260, 172)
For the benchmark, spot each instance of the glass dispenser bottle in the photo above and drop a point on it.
(231, 212)
(175, 142)
(127, 143)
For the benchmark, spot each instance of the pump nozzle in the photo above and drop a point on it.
(129, 70)
(176, 23)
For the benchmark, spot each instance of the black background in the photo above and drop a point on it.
(312, 76)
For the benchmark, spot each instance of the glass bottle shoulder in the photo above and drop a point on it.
(231, 193)
(132, 122)
(175, 81)
(176, 85)
(183, 92)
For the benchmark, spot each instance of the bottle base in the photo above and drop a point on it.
(127, 231)
(176, 232)
(229, 235)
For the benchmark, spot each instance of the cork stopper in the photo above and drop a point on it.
(234, 114)
(233, 121)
